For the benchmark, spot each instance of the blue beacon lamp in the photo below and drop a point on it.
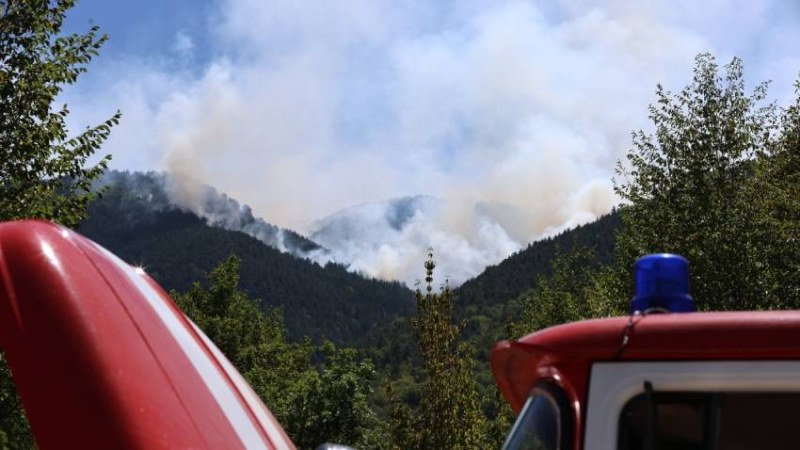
(662, 284)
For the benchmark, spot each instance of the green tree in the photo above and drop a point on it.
(14, 430)
(573, 291)
(775, 190)
(328, 403)
(335, 408)
(688, 187)
(44, 173)
(449, 415)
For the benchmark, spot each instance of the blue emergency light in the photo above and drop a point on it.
(662, 284)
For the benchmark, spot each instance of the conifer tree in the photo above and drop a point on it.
(449, 414)
(571, 292)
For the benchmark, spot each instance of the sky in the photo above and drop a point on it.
(513, 113)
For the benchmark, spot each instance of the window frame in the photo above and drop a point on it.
(612, 385)
(557, 397)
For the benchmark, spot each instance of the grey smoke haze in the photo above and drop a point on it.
(511, 113)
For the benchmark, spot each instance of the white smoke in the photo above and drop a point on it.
(384, 239)
(512, 113)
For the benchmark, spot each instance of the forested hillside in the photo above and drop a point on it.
(521, 271)
(177, 248)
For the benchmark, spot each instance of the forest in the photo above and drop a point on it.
(716, 179)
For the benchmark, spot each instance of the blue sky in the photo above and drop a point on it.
(142, 28)
(301, 108)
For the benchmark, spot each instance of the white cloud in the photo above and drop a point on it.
(183, 45)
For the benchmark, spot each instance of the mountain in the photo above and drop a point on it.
(136, 219)
(158, 191)
(519, 272)
(350, 224)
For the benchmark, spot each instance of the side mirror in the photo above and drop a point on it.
(329, 446)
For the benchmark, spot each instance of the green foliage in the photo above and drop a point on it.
(315, 404)
(14, 430)
(572, 292)
(717, 182)
(520, 272)
(487, 300)
(43, 172)
(335, 406)
(449, 415)
(773, 234)
(697, 187)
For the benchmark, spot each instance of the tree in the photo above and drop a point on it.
(688, 187)
(449, 415)
(573, 291)
(774, 229)
(44, 173)
(315, 404)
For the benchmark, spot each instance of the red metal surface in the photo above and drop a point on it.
(566, 352)
(103, 358)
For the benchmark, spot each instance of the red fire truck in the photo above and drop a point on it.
(662, 378)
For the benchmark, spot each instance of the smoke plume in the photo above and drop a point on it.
(511, 114)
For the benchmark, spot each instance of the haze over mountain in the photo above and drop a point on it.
(390, 239)
(386, 240)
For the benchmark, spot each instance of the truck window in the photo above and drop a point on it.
(544, 423)
(715, 420)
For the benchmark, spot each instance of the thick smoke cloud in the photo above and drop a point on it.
(510, 113)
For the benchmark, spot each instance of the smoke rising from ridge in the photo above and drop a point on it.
(511, 113)
(165, 192)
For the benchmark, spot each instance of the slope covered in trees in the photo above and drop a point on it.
(316, 403)
(520, 271)
(177, 248)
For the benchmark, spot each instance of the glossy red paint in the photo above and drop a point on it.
(103, 358)
(566, 353)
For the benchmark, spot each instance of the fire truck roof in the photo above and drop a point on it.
(765, 335)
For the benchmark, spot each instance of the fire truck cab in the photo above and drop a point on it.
(662, 378)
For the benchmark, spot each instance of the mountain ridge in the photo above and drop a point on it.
(177, 247)
(136, 219)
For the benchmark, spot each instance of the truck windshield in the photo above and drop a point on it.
(542, 423)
